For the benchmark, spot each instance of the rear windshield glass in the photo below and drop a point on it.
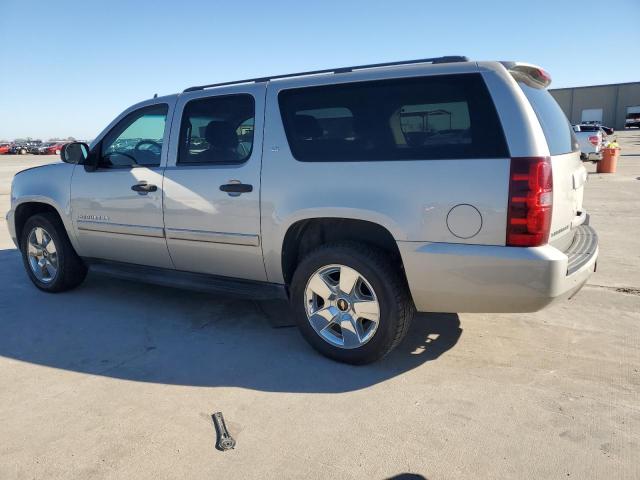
(439, 117)
(589, 128)
(554, 123)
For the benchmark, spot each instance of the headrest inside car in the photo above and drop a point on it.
(221, 134)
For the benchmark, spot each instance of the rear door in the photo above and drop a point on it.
(569, 174)
(212, 182)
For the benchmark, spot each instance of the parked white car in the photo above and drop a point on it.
(590, 142)
(359, 194)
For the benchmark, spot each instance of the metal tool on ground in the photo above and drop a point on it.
(225, 441)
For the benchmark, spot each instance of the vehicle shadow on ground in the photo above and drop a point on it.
(147, 333)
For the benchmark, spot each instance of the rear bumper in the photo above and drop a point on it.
(447, 277)
(593, 154)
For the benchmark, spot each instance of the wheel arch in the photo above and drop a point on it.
(27, 209)
(307, 234)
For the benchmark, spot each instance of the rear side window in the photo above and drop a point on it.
(439, 117)
(557, 129)
(217, 130)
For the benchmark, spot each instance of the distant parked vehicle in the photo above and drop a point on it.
(632, 120)
(594, 126)
(19, 149)
(50, 148)
(4, 148)
(589, 140)
(23, 148)
(34, 147)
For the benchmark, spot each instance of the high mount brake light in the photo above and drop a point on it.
(542, 75)
(529, 74)
(530, 201)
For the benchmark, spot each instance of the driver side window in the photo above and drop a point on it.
(137, 140)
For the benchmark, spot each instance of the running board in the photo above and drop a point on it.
(189, 281)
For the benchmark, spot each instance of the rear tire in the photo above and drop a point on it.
(48, 256)
(377, 279)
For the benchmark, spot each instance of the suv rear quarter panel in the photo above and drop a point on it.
(522, 130)
(410, 198)
(526, 138)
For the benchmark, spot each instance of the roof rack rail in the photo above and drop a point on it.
(435, 60)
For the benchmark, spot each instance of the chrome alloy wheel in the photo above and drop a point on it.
(341, 306)
(42, 255)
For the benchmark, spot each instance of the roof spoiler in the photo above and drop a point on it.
(532, 75)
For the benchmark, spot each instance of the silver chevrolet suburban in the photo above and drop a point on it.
(359, 194)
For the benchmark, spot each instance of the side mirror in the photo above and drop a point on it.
(74, 152)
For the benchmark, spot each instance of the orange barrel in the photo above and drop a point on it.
(609, 160)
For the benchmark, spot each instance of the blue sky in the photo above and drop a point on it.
(69, 67)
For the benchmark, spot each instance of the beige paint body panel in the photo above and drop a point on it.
(48, 184)
(125, 226)
(129, 227)
(447, 277)
(208, 230)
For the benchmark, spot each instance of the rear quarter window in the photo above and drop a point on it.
(555, 126)
(437, 117)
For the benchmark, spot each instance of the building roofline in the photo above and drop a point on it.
(595, 86)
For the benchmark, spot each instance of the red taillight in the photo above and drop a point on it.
(530, 201)
(593, 139)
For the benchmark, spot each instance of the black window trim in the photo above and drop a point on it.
(98, 148)
(209, 164)
(500, 133)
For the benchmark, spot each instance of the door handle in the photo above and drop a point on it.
(144, 188)
(237, 188)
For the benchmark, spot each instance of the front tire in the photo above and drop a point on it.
(351, 302)
(48, 256)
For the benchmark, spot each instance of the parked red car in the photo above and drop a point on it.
(51, 148)
(4, 148)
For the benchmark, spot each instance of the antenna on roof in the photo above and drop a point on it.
(155, 95)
